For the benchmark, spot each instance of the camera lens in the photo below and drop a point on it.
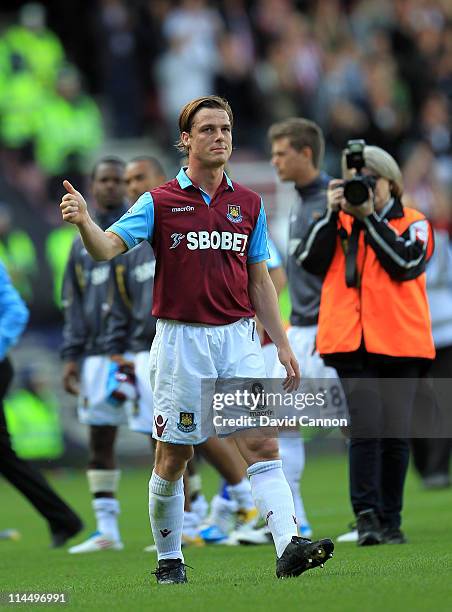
(356, 191)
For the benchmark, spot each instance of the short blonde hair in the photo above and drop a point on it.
(382, 164)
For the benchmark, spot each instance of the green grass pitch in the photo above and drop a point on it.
(412, 577)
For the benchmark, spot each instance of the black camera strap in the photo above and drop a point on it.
(351, 270)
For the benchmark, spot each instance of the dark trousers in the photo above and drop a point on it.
(380, 413)
(431, 456)
(26, 478)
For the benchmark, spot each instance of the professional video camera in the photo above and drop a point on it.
(356, 190)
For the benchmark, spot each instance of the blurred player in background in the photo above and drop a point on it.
(270, 353)
(279, 279)
(218, 286)
(130, 328)
(297, 152)
(63, 522)
(142, 174)
(87, 290)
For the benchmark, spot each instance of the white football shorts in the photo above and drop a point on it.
(315, 375)
(271, 358)
(186, 361)
(93, 405)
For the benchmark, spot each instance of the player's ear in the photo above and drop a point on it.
(185, 137)
(307, 152)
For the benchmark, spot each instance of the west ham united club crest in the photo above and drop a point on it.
(186, 422)
(234, 213)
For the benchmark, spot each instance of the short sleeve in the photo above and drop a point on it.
(258, 248)
(275, 260)
(137, 224)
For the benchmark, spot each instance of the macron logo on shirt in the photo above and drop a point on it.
(183, 209)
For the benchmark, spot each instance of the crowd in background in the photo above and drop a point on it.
(380, 71)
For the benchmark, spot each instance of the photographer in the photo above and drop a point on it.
(374, 325)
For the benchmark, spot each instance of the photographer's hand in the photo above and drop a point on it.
(335, 194)
(359, 212)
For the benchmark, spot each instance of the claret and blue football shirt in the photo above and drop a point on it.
(202, 247)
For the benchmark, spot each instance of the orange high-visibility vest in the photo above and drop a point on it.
(391, 317)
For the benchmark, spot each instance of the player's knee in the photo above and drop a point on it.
(102, 458)
(171, 460)
(102, 442)
(262, 450)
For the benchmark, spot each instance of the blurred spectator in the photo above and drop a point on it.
(234, 82)
(69, 131)
(186, 70)
(31, 413)
(424, 188)
(432, 455)
(63, 523)
(120, 78)
(270, 20)
(17, 253)
(277, 82)
(444, 64)
(39, 48)
(151, 43)
(21, 99)
(341, 96)
(413, 66)
(387, 103)
(428, 193)
(306, 56)
(57, 247)
(434, 127)
(237, 21)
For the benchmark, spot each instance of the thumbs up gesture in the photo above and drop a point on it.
(73, 205)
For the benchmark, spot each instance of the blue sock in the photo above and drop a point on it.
(224, 490)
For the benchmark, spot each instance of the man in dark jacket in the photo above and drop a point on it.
(62, 520)
(130, 327)
(87, 295)
(297, 152)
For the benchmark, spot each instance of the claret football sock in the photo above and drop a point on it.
(166, 513)
(106, 510)
(273, 499)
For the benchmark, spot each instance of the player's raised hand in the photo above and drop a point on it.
(73, 205)
(289, 361)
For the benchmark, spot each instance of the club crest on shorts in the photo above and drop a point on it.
(234, 213)
(186, 422)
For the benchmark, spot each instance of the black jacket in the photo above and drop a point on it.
(305, 287)
(130, 325)
(403, 257)
(87, 297)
